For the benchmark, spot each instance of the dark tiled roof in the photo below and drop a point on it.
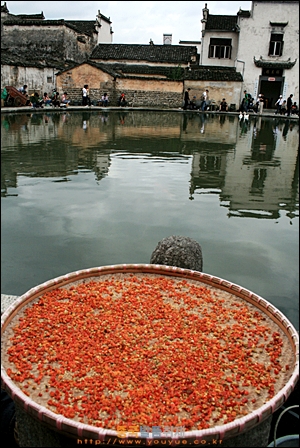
(283, 24)
(105, 18)
(142, 69)
(243, 13)
(274, 64)
(178, 54)
(213, 73)
(82, 26)
(191, 42)
(14, 20)
(107, 68)
(202, 73)
(10, 57)
(125, 70)
(4, 8)
(222, 23)
(29, 16)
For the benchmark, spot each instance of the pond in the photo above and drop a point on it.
(94, 188)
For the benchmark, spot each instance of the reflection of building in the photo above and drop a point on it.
(255, 173)
(208, 171)
(262, 184)
(46, 150)
(255, 176)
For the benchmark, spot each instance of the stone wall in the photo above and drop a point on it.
(230, 90)
(46, 43)
(138, 92)
(37, 79)
(135, 98)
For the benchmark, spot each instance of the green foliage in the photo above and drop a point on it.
(176, 73)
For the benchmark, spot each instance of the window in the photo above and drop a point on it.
(276, 44)
(49, 79)
(220, 48)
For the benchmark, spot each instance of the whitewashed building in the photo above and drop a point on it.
(263, 45)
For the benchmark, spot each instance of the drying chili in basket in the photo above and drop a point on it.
(146, 350)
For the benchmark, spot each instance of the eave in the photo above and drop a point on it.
(262, 63)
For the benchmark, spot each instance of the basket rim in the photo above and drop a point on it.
(58, 422)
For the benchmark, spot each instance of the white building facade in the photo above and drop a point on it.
(104, 29)
(263, 45)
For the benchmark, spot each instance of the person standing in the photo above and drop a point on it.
(261, 103)
(246, 101)
(186, 99)
(279, 104)
(289, 104)
(204, 100)
(86, 96)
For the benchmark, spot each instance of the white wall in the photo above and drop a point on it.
(105, 35)
(35, 78)
(216, 61)
(254, 40)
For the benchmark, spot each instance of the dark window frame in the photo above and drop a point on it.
(220, 48)
(276, 44)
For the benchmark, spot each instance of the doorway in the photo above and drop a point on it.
(271, 90)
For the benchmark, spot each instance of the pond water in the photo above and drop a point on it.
(86, 189)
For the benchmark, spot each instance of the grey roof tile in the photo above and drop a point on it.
(222, 23)
(29, 16)
(244, 13)
(178, 54)
(201, 73)
(81, 26)
(213, 73)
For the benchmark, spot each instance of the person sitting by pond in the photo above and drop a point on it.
(64, 102)
(122, 101)
(223, 106)
(192, 105)
(55, 98)
(104, 100)
(36, 101)
(46, 99)
(295, 109)
(283, 108)
(4, 96)
(23, 89)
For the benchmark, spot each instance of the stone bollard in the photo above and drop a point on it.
(179, 251)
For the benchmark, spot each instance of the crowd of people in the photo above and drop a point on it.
(36, 101)
(248, 103)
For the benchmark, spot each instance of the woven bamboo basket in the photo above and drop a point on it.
(225, 434)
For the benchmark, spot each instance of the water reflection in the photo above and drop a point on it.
(252, 164)
(85, 189)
